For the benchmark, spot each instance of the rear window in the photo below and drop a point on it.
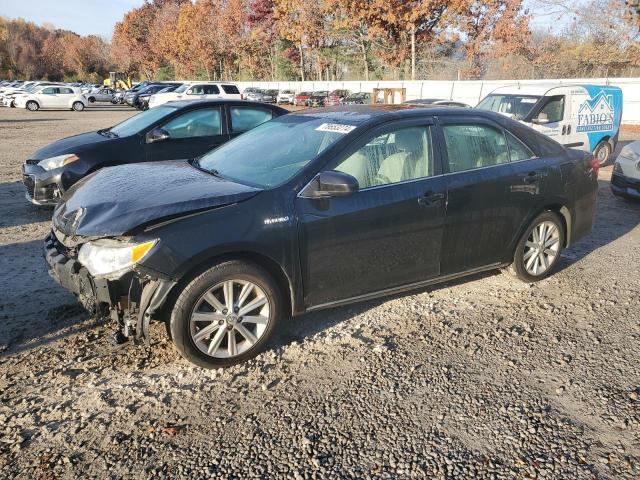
(231, 89)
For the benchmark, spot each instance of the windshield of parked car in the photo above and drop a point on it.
(516, 106)
(182, 88)
(275, 151)
(133, 125)
(321, 94)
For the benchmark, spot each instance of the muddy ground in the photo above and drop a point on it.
(482, 378)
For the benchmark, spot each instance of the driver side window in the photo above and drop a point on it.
(204, 122)
(553, 111)
(396, 156)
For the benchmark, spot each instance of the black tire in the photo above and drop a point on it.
(191, 296)
(602, 153)
(519, 267)
(91, 99)
(78, 106)
(32, 106)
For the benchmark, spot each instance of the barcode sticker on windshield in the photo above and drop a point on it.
(335, 127)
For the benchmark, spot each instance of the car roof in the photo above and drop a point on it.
(361, 114)
(219, 101)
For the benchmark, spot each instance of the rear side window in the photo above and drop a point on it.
(472, 146)
(518, 150)
(245, 118)
(231, 89)
(66, 91)
(204, 122)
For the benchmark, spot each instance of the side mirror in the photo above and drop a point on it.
(331, 184)
(541, 119)
(157, 135)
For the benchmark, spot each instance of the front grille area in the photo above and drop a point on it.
(29, 183)
(625, 182)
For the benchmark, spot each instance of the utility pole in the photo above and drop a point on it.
(413, 52)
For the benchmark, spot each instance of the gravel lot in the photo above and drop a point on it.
(482, 378)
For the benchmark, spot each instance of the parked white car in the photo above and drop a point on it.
(625, 179)
(8, 97)
(48, 96)
(286, 96)
(197, 91)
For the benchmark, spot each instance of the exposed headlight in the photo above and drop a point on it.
(109, 258)
(58, 161)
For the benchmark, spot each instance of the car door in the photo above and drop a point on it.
(190, 134)
(244, 118)
(489, 196)
(48, 97)
(386, 235)
(552, 118)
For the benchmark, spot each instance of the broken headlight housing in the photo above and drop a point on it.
(110, 258)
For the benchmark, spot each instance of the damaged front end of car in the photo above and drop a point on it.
(108, 280)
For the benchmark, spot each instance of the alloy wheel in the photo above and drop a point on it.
(541, 248)
(229, 318)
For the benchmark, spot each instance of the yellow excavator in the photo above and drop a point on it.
(118, 80)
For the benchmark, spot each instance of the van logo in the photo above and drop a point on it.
(271, 221)
(596, 114)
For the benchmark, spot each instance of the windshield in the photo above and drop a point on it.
(321, 94)
(274, 152)
(133, 125)
(182, 88)
(517, 106)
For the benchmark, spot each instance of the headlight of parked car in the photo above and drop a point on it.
(628, 154)
(110, 258)
(58, 161)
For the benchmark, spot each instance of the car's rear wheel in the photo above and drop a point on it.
(78, 106)
(225, 315)
(539, 248)
(32, 106)
(602, 153)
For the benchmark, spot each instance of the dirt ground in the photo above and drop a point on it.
(482, 378)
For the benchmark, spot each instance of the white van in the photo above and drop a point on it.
(586, 117)
(197, 91)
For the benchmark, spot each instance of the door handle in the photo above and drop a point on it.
(532, 177)
(430, 198)
(568, 129)
(564, 130)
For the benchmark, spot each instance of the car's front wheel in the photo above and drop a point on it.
(539, 248)
(32, 106)
(225, 315)
(78, 106)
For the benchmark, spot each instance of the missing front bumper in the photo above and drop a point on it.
(131, 301)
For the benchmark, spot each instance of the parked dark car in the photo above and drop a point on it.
(312, 210)
(317, 99)
(176, 130)
(360, 98)
(336, 97)
(437, 102)
(143, 97)
(133, 98)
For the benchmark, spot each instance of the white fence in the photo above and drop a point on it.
(470, 92)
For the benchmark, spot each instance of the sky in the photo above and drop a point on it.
(85, 17)
(98, 17)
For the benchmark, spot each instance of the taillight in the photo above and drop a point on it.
(242, 96)
(595, 165)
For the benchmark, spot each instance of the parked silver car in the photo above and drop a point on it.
(104, 94)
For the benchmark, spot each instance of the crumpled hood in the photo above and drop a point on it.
(116, 200)
(69, 145)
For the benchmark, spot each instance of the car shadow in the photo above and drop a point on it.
(28, 120)
(16, 210)
(33, 307)
(615, 217)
